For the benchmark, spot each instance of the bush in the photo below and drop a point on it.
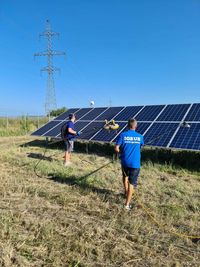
(57, 112)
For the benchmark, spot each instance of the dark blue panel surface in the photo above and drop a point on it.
(187, 138)
(53, 132)
(173, 113)
(79, 114)
(159, 134)
(91, 129)
(149, 113)
(194, 113)
(109, 113)
(64, 116)
(107, 136)
(93, 114)
(45, 128)
(127, 113)
(142, 127)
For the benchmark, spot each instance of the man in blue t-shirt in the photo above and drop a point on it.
(128, 144)
(69, 139)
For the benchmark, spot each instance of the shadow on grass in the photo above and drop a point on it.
(39, 156)
(83, 184)
(81, 181)
(43, 144)
(80, 147)
(186, 159)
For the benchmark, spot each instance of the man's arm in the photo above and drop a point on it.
(118, 144)
(142, 142)
(71, 131)
(117, 148)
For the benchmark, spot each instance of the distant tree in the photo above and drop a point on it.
(58, 111)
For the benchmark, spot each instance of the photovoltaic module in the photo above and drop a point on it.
(154, 120)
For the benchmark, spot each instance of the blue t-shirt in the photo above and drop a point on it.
(70, 136)
(130, 143)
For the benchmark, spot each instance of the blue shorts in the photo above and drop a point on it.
(132, 174)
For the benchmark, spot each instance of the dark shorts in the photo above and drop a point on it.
(69, 145)
(132, 174)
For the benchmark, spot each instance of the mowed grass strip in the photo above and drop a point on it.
(75, 217)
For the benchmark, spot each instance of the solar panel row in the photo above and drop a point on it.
(160, 124)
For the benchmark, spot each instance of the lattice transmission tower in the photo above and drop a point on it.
(48, 34)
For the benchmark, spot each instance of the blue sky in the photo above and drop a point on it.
(131, 52)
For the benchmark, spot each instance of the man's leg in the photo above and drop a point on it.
(130, 194)
(67, 155)
(125, 182)
(133, 177)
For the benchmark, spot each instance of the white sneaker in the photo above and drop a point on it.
(127, 207)
(67, 163)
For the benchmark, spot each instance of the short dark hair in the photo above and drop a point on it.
(131, 122)
(71, 115)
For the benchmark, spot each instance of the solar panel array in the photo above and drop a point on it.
(160, 124)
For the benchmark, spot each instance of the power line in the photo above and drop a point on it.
(50, 102)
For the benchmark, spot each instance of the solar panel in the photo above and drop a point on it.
(187, 138)
(142, 127)
(160, 124)
(173, 113)
(128, 112)
(54, 131)
(82, 112)
(91, 129)
(106, 136)
(194, 113)
(159, 134)
(93, 114)
(109, 113)
(64, 116)
(149, 113)
(45, 128)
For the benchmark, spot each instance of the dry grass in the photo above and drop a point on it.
(19, 126)
(71, 218)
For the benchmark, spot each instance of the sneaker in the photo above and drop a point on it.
(127, 207)
(67, 163)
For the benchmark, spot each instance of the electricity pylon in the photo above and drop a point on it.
(50, 102)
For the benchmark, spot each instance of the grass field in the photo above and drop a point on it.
(18, 126)
(75, 217)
